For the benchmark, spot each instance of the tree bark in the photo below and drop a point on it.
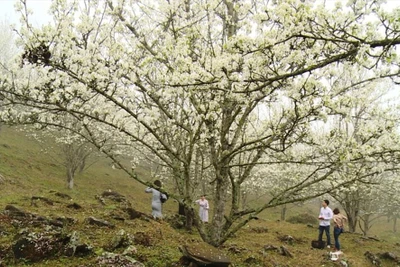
(365, 226)
(70, 178)
(189, 213)
(283, 213)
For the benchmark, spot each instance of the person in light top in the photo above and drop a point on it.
(325, 216)
(338, 225)
(156, 201)
(204, 207)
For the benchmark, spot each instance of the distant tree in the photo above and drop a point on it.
(390, 206)
(370, 210)
(65, 149)
(369, 124)
(236, 82)
(375, 200)
(75, 160)
(8, 50)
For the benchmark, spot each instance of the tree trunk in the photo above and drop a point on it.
(352, 210)
(352, 221)
(366, 224)
(219, 212)
(394, 224)
(243, 199)
(181, 209)
(70, 179)
(189, 213)
(283, 213)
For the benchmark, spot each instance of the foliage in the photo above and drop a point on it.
(305, 218)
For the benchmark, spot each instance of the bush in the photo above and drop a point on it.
(303, 219)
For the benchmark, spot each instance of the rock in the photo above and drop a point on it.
(36, 247)
(260, 229)
(130, 251)
(290, 240)
(5, 252)
(114, 196)
(286, 252)
(75, 248)
(2, 181)
(101, 200)
(203, 253)
(252, 261)
(81, 250)
(287, 239)
(390, 256)
(21, 218)
(133, 214)
(270, 247)
(372, 258)
(16, 213)
(117, 260)
(74, 206)
(62, 195)
(56, 223)
(3, 231)
(66, 220)
(98, 222)
(143, 239)
(176, 221)
(121, 240)
(235, 249)
(371, 238)
(34, 200)
(184, 261)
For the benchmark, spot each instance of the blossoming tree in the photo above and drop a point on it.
(228, 82)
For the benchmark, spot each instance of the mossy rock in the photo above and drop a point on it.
(205, 254)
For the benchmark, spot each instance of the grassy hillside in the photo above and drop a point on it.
(33, 172)
(28, 172)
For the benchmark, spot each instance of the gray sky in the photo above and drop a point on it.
(40, 10)
(38, 7)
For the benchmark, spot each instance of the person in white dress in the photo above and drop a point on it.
(204, 207)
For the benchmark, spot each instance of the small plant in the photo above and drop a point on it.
(303, 219)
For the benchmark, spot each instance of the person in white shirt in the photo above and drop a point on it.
(325, 216)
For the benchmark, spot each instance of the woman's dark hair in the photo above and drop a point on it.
(157, 183)
(336, 211)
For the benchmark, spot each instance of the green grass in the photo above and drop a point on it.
(29, 172)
